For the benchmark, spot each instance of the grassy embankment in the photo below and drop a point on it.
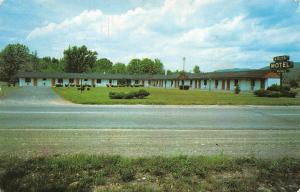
(181, 173)
(162, 96)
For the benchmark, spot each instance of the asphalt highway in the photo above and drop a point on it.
(41, 108)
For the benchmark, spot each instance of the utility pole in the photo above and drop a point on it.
(183, 63)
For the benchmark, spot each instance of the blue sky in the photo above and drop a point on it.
(214, 34)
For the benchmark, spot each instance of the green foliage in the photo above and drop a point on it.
(14, 58)
(79, 59)
(269, 93)
(196, 69)
(134, 66)
(102, 65)
(294, 84)
(237, 89)
(276, 87)
(140, 94)
(145, 66)
(119, 68)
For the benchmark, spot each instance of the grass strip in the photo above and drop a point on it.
(157, 173)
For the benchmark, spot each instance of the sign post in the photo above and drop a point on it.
(280, 65)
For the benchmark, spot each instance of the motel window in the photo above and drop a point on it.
(191, 82)
(27, 80)
(171, 83)
(110, 81)
(205, 82)
(136, 82)
(60, 80)
(99, 81)
(71, 80)
(44, 79)
(85, 79)
(236, 82)
(252, 83)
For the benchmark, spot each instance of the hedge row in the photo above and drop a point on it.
(268, 93)
(141, 94)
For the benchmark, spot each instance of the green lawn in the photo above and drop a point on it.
(161, 96)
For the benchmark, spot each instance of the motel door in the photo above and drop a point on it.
(228, 85)
(262, 84)
(52, 82)
(223, 84)
(34, 82)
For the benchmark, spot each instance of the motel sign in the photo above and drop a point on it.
(281, 64)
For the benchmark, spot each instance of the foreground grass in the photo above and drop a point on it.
(181, 173)
(161, 96)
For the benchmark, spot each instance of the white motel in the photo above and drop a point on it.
(247, 80)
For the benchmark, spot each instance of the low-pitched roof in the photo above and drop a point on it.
(251, 74)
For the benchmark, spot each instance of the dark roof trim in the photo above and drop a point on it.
(252, 74)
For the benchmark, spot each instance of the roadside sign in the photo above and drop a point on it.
(281, 65)
(281, 58)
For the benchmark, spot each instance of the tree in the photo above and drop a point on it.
(79, 59)
(103, 65)
(196, 69)
(158, 67)
(48, 64)
(147, 66)
(119, 68)
(14, 58)
(134, 66)
(34, 63)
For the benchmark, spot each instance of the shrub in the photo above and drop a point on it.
(114, 95)
(274, 94)
(275, 87)
(294, 84)
(142, 94)
(288, 94)
(261, 93)
(237, 89)
(131, 95)
(58, 85)
(184, 87)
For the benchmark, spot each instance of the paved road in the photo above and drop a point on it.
(41, 108)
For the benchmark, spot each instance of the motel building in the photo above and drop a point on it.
(247, 80)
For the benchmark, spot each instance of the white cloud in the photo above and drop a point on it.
(177, 28)
(1, 2)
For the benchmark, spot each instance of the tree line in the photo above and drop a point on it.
(76, 59)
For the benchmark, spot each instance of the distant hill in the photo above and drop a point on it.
(233, 70)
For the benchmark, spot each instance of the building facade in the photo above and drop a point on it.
(247, 80)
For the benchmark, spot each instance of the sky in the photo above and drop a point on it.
(214, 34)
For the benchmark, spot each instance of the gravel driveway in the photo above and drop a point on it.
(32, 96)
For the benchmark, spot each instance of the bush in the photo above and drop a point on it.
(142, 94)
(268, 93)
(294, 84)
(261, 93)
(237, 89)
(58, 85)
(291, 94)
(114, 95)
(131, 95)
(274, 94)
(275, 87)
(184, 87)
